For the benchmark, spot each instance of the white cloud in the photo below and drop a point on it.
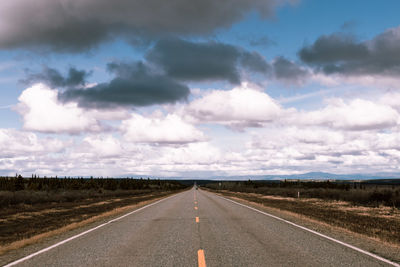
(15, 143)
(170, 129)
(362, 81)
(303, 149)
(108, 114)
(196, 153)
(42, 112)
(357, 114)
(239, 108)
(346, 135)
(391, 99)
(273, 150)
(102, 146)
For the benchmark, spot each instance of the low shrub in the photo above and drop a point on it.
(357, 194)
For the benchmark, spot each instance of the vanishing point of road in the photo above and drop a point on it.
(198, 228)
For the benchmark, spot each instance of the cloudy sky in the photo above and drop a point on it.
(199, 88)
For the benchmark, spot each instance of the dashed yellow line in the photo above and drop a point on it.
(200, 253)
(201, 258)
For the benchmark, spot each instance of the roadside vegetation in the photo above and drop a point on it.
(365, 193)
(371, 208)
(37, 205)
(35, 190)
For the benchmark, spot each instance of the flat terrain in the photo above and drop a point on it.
(178, 230)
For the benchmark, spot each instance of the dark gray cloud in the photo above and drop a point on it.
(187, 60)
(196, 61)
(71, 25)
(253, 61)
(159, 79)
(341, 53)
(55, 79)
(289, 71)
(334, 48)
(134, 84)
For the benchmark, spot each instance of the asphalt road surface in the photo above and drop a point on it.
(198, 228)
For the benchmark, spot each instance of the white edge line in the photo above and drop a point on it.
(83, 233)
(319, 234)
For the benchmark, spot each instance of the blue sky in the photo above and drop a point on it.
(242, 88)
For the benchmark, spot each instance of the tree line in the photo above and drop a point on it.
(371, 193)
(36, 183)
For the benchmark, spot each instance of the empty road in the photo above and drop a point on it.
(198, 228)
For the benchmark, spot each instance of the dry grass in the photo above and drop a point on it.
(381, 211)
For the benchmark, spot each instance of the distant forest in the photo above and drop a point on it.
(36, 183)
(371, 192)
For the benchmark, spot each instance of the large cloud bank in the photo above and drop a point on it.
(69, 25)
(343, 135)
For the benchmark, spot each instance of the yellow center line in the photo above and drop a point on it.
(201, 258)
(197, 219)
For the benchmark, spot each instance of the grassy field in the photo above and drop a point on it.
(371, 210)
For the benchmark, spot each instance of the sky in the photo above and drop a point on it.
(199, 88)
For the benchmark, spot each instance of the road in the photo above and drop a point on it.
(199, 228)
